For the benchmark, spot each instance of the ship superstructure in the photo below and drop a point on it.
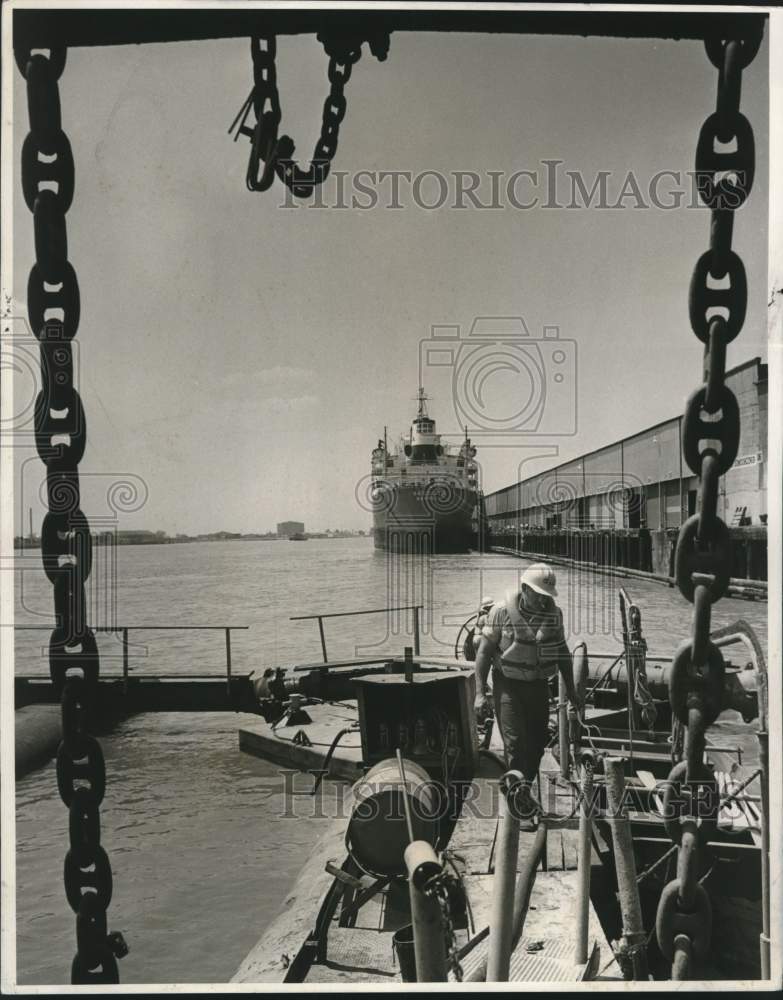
(425, 494)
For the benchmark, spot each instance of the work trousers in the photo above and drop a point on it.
(522, 712)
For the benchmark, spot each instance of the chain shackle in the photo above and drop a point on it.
(702, 298)
(68, 421)
(53, 306)
(720, 428)
(75, 707)
(707, 556)
(671, 921)
(43, 301)
(36, 171)
(66, 536)
(690, 800)
(702, 686)
(724, 180)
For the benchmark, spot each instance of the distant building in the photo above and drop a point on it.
(287, 528)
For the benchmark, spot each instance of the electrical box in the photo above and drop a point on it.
(428, 716)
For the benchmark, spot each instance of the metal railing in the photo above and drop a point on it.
(124, 631)
(415, 608)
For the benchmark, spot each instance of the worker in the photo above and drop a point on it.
(523, 642)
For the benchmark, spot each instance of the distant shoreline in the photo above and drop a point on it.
(110, 538)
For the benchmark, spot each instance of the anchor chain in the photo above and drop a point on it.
(443, 888)
(710, 438)
(277, 152)
(66, 542)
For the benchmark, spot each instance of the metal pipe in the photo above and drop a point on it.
(507, 849)
(429, 945)
(634, 937)
(583, 865)
(323, 638)
(405, 802)
(351, 614)
(522, 894)
(436, 661)
(228, 661)
(416, 644)
(125, 666)
(562, 724)
(737, 792)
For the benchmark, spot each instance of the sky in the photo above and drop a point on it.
(238, 359)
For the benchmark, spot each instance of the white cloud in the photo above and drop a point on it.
(289, 381)
(288, 405)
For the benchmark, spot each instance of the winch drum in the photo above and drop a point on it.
(377, 833)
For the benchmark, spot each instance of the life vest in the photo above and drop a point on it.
(520, 656)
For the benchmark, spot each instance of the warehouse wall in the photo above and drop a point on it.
(642, 480)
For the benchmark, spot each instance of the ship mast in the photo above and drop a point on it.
(422, 400)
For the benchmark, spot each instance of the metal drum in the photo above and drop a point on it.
(377, 834)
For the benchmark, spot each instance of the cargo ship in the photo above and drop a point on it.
(424, 494)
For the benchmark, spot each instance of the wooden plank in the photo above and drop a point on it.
(648, 780)
(554, 850)
(570, 849)
(471, 842)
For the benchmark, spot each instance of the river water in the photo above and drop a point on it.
(201, 843)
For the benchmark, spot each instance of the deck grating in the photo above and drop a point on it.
(352, 952)
(551, 960)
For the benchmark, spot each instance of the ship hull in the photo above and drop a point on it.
(423, 520)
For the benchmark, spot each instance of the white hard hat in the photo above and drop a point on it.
(541, 578)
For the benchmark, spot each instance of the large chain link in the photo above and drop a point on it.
(710, 439)
(443, 889)
(276, 153)
(66, 542)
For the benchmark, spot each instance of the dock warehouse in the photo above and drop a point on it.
(636, 492)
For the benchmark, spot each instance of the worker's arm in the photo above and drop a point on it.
(555, 647)
(483, 662)
(566, 668)
(485, 653)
